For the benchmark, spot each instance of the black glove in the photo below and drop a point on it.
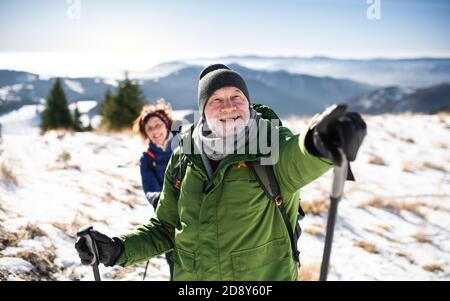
(109, 249)
(333, 129)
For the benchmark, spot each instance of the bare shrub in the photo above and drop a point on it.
(71, 273)
(367, 246)
(135, 223)
(133, 192)
(8, 239)
(71, 228)
(309, 272)
(406, 256)
(136, 186)
(64, 157)
(392, 134)
(394, 205)
(442, 145)
(313, 231)
(381, 234)
(408, 167)
(409, 140)
(43, 263)
(315, 207)
(4, 274)
(422, 238)
(384, 227)
(434, 268)
(430, 165)
(8, 175)
(108, 197)
(132, 203)
(72, 166)
(377, 160)
(12, 239)
(92, 219)
(88, 205)
(30, 231)
(122, 273)
(374, 202)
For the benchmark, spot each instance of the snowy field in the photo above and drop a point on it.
(393, 223)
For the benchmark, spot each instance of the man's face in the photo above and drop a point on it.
(227, 111)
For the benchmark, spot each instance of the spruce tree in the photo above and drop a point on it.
(77, 125)
(107, 108)
(56, 113)
(120, 110)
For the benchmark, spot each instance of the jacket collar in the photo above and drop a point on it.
(187, 147)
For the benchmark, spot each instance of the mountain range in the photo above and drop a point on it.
(291, 85)
(290, 94)
(429, 100)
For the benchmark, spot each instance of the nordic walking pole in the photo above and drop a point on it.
(92, 245)
(145, 272)
(339, 177)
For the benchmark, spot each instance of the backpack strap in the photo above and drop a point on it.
(178, 173)
(151, 157)
(265, 176)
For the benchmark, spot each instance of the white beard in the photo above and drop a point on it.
(215, 147)
(229, 128)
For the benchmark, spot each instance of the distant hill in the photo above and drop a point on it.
(399, 100)
(27, 88)
(291, 85)
(413, 72)
(288, 94)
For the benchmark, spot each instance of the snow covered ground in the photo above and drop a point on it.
(393, 223)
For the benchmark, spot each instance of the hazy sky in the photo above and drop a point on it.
(46, 36)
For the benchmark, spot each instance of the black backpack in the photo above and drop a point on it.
(265, 176)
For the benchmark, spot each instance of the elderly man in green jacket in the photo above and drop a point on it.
(216, 217)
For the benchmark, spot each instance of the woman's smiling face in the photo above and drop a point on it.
(156, 130)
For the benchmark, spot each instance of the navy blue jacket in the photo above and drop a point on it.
(152, 170)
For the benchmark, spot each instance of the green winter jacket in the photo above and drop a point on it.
(227, 229)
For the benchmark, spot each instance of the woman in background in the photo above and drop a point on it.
(154, 125)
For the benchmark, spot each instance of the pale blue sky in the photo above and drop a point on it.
(139, 33)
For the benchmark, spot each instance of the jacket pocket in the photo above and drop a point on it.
(185, 259)
(271, 261)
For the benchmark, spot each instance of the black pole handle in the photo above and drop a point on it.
(92, 246)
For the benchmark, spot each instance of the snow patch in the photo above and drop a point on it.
(84, 106)
(111, 81)
(74, 86)
(15, 265)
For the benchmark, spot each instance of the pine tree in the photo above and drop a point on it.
(77, 125)
(56, 113)
(119, 111)
(107, 108)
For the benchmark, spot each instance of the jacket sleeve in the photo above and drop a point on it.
(296, 167)
(149, 182)
(157, 236)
